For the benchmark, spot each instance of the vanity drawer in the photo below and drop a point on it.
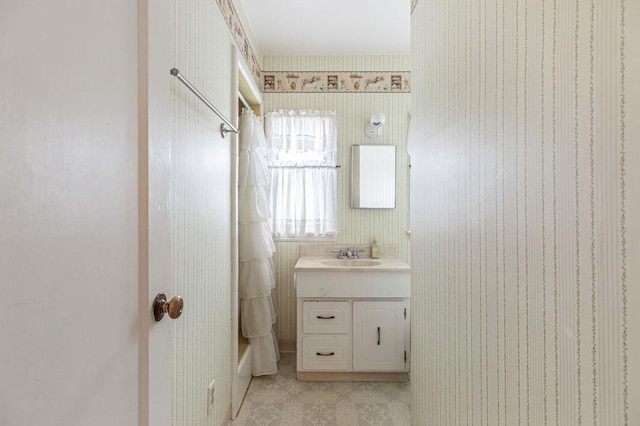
(326, 317)
(326, 353)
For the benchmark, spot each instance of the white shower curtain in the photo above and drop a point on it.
(256, 248)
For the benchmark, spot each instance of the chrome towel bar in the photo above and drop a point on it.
(223, 130)
(304, 167)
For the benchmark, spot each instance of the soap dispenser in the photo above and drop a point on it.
(375, 248)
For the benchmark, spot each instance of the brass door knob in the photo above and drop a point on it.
(173, 307)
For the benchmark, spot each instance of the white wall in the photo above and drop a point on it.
(357, 226)
(524, 212)
(201, 209)
(68, 213)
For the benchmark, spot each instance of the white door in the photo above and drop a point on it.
(378, 335)
(75, 237)
(154, 210)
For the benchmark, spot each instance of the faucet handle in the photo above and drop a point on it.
(342, 253)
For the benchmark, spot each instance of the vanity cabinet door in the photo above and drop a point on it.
(379, 335)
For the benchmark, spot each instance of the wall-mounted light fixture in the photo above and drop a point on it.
(376, 122)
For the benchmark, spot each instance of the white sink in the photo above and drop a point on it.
(324, 264)
(352, 278)
(351, 263)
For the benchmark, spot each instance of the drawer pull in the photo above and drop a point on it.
(325, 353)
(321, 317)
(378, 336)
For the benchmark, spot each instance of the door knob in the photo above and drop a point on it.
(173, 307)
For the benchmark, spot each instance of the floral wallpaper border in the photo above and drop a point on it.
(316, 81)
(237, 31)
(336, 82)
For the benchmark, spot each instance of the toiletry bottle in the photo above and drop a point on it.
(375, 248)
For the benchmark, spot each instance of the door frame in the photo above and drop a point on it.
(154, 249)
(238, 70)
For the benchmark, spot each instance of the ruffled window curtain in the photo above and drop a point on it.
(302, 151)
(256, 248)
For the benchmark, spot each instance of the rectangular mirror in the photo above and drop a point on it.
(373, 176)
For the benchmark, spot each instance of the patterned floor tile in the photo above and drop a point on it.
(282, 400)
(320, 414)
(374, 414)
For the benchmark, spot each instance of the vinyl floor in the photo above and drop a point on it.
(282, 400)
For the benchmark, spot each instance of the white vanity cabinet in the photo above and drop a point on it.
(353, 323)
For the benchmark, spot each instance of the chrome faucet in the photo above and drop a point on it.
(343, 253)
(348, 253)
(353, 253)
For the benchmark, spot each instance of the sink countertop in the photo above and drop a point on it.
(386, 264)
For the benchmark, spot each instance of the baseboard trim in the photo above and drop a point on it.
(227, 421)
(351, 376)
(287, 346)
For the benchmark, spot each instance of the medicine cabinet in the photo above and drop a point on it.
(373, 176)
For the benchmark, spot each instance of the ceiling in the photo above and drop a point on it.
(329, 26)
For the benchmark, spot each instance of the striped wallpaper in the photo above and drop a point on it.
(353, 112)
(201, 218)
(524, 280)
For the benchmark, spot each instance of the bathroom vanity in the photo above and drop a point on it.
(353, 319)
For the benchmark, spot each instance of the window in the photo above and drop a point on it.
(302, 158)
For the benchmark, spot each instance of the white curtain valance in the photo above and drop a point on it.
(301, 138)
